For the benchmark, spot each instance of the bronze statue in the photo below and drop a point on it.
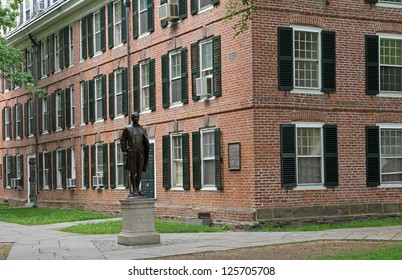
(134, 144)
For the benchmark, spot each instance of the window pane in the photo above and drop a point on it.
(309, 141)
(176, 90)
(209, 172)
(391, 78)
(391, 155)
(306, 59)
(206, 56)
(309, 170)
(309, 155)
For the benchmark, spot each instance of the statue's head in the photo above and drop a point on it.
(135, 117)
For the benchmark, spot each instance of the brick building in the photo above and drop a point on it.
(297, 118)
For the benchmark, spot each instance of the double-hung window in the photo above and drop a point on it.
(57, 51)
(118, 86)
(28, 60)
(176, 169)
(97, 32)
(72, 107)
(144, 86)
(174, 78)
(46, 170)
(30, 114)
(120, 173)
(309, 155)
(99, 161)
(202, 5)
(118, 97)
(207, 159)
(19, 169)
(44, 58)
(98, 99)
(99, 155)
(306, 60)
(71, 45)
(18, 121)
(84, 102)
(206, 68)
(7, 179)
(71, 167)
(59, 110)
(45, 115)
(143, 16)
(384, 155)
(117, 22)
(60, 165)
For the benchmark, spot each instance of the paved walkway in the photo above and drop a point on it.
(46, 243)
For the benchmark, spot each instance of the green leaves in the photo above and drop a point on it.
(242, 11)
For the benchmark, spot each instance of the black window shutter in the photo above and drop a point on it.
(186, 161)
(33, 113)
(66, 46)
(39, 59)
(90, 35)
(111, 96)
(150, 14)
(196, 160)
(86, 102)
(165, 81)
(330, 155)
(372, 65)
(182, 9)
(194, 70)
(105, 166)
(93, 164)
(19, 108)
(48, 159)
(218, 167)
(68, 108)
(165, 23)
(112, 159)
(69, 163)
(13, 167)
(136, 87)
(86, 167)
(22, 171)
(123, 22)
(194, 6)
(104, 112)
(3, 117)
(63, 111)
(152, 99)
(371, 1)
(135, 18)
(110, 24)
(214, 2)
(166, 162)
(216, 41)
(40, 116)
(92, 101)
(125, 91)
(53, 114)
(184, 81)
(103, 29)
(13, 125)
(63, 170)
(53, 167)
(4, 171)
(373, 156)
(285, 58)
(26, 120)
(84, 51)
(328, 49)
(49, 112)
(288, 155)
(61, 47)
(40, 171)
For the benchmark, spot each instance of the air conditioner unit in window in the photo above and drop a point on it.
(168, 11)
(71, 183)
(204, 86)
(15, 182)
(97, 181)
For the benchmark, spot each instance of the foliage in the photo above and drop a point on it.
(11, 59)
(42, 216)
(161, 226)
(242, 12)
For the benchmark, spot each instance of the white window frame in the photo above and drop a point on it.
(145, 94)
(118, 93)
(30, 118)
(18, 120)
(310, 186)
(46, 171)
(71, 44)
(82, 85)
(392, 37)
(29, 61)
(7, 122)
(73, 165)
(383, 3)
(203, 184)
(97, 33)
(387, 126)
(98, 161)
(57, 52)
(27, 9)
(80, 43)
(145, 33)
(45, 116)
(119, 165)
(98, 99)
(83, 170)
(58, 110)
(8, 170)
(204, 8)
(207, 72)
(175, 78)
(18, 170)
(117, 24)
(175, 174)
(44, 59)
(308, 90)
(59, 168)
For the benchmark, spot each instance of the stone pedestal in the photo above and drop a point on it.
(138, 222)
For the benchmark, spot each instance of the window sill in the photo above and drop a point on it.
(177, 189)
(31, 136)
(306, 91)
(210, 7)
(59, 129)
(72, 127)
(389, 5)
(146, 112)
(97, 54)
(45, 132)
(119, 117)
(208, 188)
(99, 121)
(176, 105)
(390, 186)
(390, 94)
(118, 46)
(310, 188)
(143, 35)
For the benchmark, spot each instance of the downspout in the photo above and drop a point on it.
(34, 70)
(128, 59)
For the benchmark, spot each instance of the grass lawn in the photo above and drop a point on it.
(161, 226)
(391, 252)
(42, 216)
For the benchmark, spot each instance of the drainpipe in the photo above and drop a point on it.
(34, 59)
(128, 59)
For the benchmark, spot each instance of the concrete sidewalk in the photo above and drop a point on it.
(46, 243)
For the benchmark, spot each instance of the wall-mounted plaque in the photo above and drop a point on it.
(234, 159)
